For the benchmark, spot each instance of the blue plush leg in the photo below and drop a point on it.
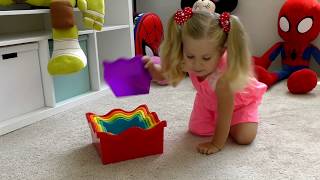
(281, 75)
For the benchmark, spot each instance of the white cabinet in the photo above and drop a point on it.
(21, 87)
(27, 91)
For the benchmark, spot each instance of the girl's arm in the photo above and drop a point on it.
(225, 97)
(154, 69)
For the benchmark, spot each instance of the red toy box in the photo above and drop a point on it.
(121, 135)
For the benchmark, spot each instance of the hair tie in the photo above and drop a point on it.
(224, 22)
(183, 16)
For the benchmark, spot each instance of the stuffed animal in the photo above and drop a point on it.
(221, 5)
(298, 26)
(148, 35)
(67, 55)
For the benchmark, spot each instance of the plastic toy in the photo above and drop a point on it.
(67, 56)
(127, 77)
(298, 25)
(121, 135)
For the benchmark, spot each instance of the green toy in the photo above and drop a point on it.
(67, 56)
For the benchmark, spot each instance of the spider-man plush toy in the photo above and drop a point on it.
(298, 26)
(148, 34)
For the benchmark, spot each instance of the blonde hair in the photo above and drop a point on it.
(205, 25)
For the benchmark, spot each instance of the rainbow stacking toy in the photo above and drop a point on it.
(120, 135)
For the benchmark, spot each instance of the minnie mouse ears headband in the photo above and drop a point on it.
(184, 15)
(221, 5)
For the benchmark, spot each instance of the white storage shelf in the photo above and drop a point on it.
(120, 49)
(25, 12)
(25, 27)
(20, 73)
(18, 38)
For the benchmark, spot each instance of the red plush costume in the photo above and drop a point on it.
(298, 25)
(148, 34)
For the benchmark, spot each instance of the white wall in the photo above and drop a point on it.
(258, 16)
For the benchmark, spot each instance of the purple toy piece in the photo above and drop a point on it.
(127, 77)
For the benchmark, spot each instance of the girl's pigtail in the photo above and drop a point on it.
(239, 57)
(171, 53)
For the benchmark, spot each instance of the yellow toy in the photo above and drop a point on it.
(67, 55)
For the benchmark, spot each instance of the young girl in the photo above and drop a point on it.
(213, 50)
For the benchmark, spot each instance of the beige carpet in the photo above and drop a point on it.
(59, 147)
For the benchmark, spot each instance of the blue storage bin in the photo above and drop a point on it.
(72, 85)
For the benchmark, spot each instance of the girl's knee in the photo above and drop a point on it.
(244, 139)
(244, 134)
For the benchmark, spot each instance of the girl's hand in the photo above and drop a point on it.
(148, 64)
(207, 148)
(154, 69)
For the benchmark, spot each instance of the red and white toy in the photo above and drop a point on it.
(298, 26)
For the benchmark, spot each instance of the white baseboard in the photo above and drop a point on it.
(15, 123)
